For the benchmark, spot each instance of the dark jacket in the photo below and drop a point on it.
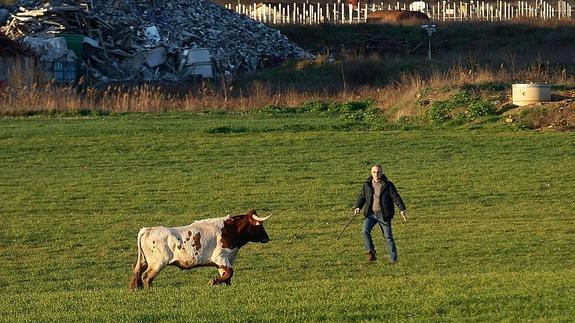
(388, 196)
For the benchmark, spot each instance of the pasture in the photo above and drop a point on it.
(490, 235)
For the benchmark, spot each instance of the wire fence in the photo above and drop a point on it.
(343, 13)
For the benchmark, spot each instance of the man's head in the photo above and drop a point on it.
(376, 173)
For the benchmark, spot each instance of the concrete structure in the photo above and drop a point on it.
(525, 94)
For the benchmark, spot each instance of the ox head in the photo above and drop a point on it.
(241, 229)
(255, 229)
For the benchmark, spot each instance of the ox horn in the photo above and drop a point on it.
(257, 218)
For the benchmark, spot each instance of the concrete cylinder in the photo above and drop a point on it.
(525, 94)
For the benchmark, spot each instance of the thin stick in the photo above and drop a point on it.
(348, 222)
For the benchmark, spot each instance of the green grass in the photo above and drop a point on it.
(490, 235)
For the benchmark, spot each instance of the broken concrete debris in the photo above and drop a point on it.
(147, 40)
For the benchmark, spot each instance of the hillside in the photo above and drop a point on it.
(388, 62)
(396, 49)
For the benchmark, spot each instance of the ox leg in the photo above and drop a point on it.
(151, 273)
(137, 270)
(148, 277)
(226, 274)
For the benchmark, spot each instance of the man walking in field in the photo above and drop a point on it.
(377, 197)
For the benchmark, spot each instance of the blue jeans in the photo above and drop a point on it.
(385, 226)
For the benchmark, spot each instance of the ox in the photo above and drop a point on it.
(211, 242)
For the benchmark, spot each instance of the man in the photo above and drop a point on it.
(378, 195)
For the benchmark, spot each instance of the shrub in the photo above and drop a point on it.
(462, 107)
(440, 112)
(480, 108)
(279, 109)
(315, 106)
(357, 110)
(463, 97)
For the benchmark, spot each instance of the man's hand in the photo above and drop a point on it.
(356, 211)
(404, 215)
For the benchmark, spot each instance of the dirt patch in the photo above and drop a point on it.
(549, 115)
(397, 16)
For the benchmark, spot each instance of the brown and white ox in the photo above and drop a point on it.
(210, 242)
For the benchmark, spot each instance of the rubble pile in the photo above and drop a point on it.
(148, 39)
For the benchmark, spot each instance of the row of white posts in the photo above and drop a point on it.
(342, 13)
(500, 10)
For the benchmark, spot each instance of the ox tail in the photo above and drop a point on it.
(140, 266)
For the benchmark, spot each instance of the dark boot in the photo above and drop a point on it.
(371, 255)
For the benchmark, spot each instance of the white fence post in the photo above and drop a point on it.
(350, 12)
(460, 10)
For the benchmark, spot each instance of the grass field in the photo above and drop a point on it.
(490, 236)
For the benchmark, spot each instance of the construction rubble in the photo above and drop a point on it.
(147, 40)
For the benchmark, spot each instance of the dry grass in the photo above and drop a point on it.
(27, 93)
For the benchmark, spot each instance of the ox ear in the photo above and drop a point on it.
(259, 219)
